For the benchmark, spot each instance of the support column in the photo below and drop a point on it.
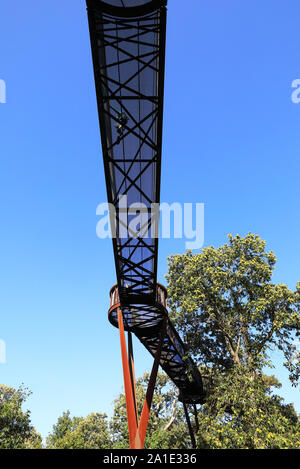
(150, 390)
(130, 405)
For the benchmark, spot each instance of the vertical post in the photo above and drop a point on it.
(132, 374)
(189, 425)
(130, 407)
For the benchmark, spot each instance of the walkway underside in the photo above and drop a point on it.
(128, 49)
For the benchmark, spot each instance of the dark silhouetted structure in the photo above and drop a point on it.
(128, 49)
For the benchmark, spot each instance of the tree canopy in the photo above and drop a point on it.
(231, 316)
(166, 426)
(16, 431)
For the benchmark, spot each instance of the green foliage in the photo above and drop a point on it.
(242, 414)
(228, 310)
(34, 441)
(224, 304)
(80, 433)
(16, 431)
(64, 424)
(231, 315)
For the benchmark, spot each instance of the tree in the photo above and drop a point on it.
(226, 307)
(16, 431)
(166, 427)
(231, 315)
(80, 433)
(64, 424)
(241, 413)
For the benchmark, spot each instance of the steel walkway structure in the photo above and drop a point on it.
(128, 51)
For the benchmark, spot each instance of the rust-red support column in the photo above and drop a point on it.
(132, 374)
(137, 431)
(130, 406)
(150, 390)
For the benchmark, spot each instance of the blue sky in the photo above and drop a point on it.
(231, 141)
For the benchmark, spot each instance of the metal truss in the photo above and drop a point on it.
(128, 57)
(128, 50)
(146, 321)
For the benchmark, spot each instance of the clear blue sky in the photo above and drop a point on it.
(231, 140)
